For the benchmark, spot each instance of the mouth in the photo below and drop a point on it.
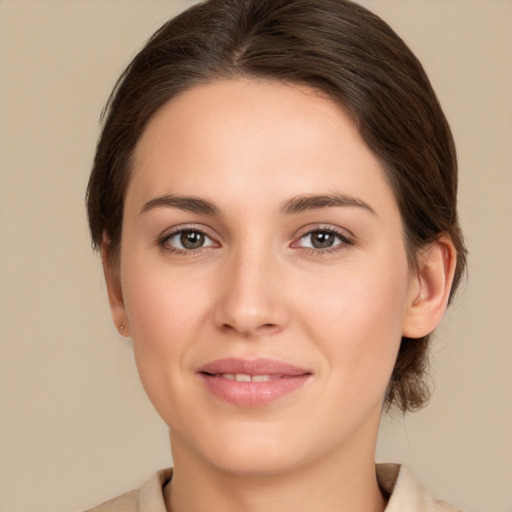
(245, 377)
(252, 383)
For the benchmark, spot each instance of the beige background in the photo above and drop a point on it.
(75, 426)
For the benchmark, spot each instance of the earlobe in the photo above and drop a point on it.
(115, 294)
(430, 290)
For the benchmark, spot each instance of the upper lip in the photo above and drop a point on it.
(260, 366)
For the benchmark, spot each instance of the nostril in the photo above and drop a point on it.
(268, 328)
(247, 331)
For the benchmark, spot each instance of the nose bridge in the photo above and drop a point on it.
(250, 300)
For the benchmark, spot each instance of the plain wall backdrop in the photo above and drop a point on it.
(75, 425)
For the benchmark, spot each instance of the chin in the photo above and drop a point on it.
(257, 463)
(251, 452)
(264, 451)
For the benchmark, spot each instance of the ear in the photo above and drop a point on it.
(115, 293)
(430, 289)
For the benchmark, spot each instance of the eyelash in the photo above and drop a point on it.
(344, 241)
(163, 242)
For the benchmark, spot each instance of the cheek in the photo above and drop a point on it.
(356, 316)
(165, 310)
(162, 302)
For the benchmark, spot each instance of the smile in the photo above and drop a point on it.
(253, 383)
(245, 377)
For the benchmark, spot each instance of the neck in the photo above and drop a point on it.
(333, 484)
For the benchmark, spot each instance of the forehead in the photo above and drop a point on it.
(236, 108)
(251, 137)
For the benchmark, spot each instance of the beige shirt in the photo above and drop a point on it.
(406, 494)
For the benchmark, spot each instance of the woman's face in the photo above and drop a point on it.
(264, 277)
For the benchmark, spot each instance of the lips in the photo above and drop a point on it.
(252, 383)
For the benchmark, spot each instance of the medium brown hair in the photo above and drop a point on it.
(334, 46)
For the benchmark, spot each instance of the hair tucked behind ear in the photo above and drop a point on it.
(335, 46)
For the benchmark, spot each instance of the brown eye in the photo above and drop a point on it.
(192, 239)
(187, 240)
(322, 239)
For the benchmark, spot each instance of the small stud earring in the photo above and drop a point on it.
(121, 328)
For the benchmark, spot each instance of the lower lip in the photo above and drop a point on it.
(253, 394)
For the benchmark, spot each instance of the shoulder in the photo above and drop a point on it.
(406, 493)
(126, 502)
(148, 498)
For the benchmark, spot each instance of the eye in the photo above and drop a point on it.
(323, 239)
(187, 240)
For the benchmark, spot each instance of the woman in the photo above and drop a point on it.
(274, 198)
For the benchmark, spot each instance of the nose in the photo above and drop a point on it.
(252, 300)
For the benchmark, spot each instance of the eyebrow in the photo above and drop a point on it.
(291, 206)
(188, 203)
(303, 203)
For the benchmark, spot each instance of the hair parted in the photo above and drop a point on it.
(334, 46)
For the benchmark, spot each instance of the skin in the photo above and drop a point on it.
(257, 288)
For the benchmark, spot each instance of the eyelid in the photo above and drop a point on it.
(176, 230)
(346, 238)
(312, 228)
